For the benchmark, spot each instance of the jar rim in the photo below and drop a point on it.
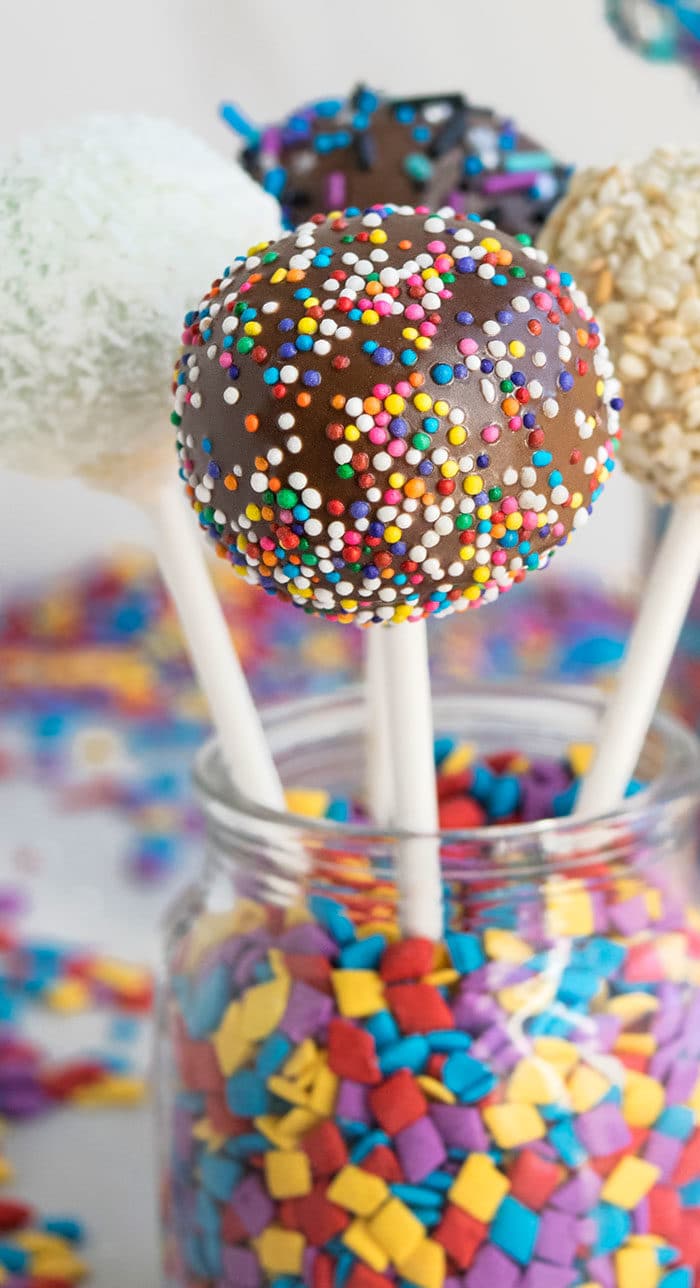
(228, 807)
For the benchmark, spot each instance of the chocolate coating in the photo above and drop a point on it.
(433, 151)
(390, 415)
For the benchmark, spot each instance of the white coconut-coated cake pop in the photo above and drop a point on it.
(107, 230)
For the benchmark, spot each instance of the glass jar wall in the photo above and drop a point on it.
(518, 1105)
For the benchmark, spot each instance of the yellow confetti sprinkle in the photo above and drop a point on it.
(569, 909)
(389, 929)
(672, 951)
(309, 803)
(288, 1090)
(287, 1174)
(479, 1188)
(232, 1048)
(643, 1099)
(635, 1044)
(534, 1082)
(214, 1140)
(558, 1052)
(636, 1268)
(69, 996)
(436, 1090)
(586, 1088)
(513, 1125)
(263, 1008)
(119, 1089)
(121, 976)
(504, 946)
(693, 1101)
(305, 1058)
(425, 1266)
(298, 1121)
(358, 992)
(281, 1251)
(440, 978)
(580, 756)
(655, 904)
(531, 996)
(629, 1182)
(246, 917)
(632, 1007)
(276, 1130)
(397, 1231)
(55, 1265)
(359, 1240)
(40, 1241)
(297, 915)
(324, 1092)
(357, 1191)
(459, 759)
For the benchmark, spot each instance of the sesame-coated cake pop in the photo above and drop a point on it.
(633, 231)
(435, 150)
(393, 414)
(631, 234)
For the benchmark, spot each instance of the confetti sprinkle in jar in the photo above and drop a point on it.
(517, 1105)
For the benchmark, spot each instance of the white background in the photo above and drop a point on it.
(552, 63)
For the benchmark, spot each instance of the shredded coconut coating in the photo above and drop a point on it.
(108, 227)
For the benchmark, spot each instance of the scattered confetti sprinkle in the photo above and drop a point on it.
(98, 705)
(520, 1099)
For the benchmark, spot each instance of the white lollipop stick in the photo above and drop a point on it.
(667, 597)
(410, 740)
(233, 712)
(379, 782)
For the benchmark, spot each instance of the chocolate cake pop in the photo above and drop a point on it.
(431, 151)
(389, 415)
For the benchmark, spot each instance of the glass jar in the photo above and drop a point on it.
(518, 1105)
